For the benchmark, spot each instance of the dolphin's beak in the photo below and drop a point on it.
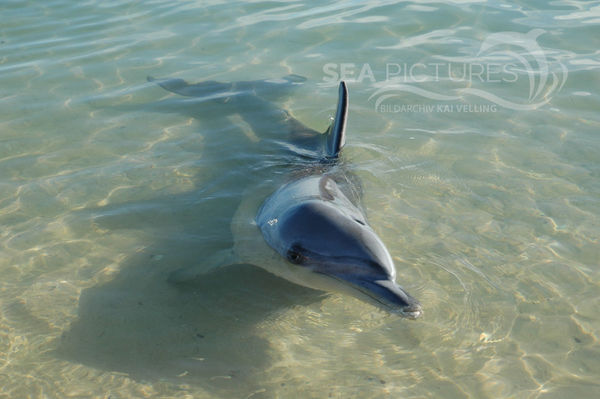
(389, 295)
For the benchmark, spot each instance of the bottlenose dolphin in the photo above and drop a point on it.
(311, 230)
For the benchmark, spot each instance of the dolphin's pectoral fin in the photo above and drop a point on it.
(188, 274)
(336, 134)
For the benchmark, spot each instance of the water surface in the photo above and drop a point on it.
(108, 183)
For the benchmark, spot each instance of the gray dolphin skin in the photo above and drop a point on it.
(310, 229)
(314, 226)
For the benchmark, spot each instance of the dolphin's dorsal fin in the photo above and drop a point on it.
(336, 134)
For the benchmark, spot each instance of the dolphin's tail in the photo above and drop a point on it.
(214, 89)
(336, 134)
(183, 88)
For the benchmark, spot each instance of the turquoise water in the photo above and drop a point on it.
(489, 200)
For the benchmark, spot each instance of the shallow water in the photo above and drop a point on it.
(108, 183)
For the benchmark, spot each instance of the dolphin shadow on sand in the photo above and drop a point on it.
(206, 332)
(201, 327)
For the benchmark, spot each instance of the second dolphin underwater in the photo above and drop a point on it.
(311, 230)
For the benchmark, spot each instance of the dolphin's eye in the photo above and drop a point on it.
(295, 257)
(359, 221)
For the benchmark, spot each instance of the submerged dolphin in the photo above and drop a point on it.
(311, 230)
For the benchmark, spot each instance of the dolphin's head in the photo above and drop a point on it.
(327, 239)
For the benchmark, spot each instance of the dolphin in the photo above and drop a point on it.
(311, 230)
(315, 227)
